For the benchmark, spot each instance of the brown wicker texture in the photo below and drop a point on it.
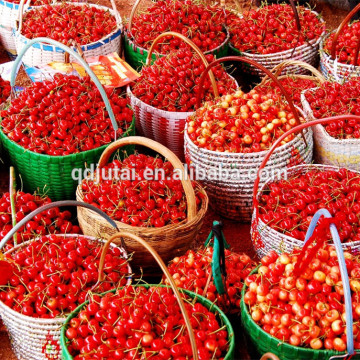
(170, 240)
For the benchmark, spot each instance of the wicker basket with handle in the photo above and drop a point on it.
(136, 55)
(265, 238)
(166, 127)
(45, 52)
(231, 195)
(330, 66)
(170, 240)
(37, 338)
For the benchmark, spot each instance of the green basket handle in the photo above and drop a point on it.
(17, 64)
(39, 210)
(218, 260)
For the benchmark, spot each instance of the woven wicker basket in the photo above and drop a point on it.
(307, 53)
(329, 64)
(265, 238)
(231, 192)
(45, 52)
(165, 127)
(136, 56)
(54, 173)
(331, 151)
(170, 240)
(124, 236)
(36, 338)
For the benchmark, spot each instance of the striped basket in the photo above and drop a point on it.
(44, 53)
(229, 177)
(308, 53)
(331, 151)
(36, 338)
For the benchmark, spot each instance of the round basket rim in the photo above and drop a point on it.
(118, 28)
(18, 147)
(130, 39)
(58, 320)
(281, 236)
(259, 57)
(208, 304)
(307, 351)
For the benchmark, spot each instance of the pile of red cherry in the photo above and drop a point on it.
(32, 3)
(136, 322)
(47, 222)
(5, 90)
(241, 123)
(171, 83)
(292, 84)
(307, 309)
(52, 275)
(64, 116)
(331, 99)
(346, 43)
(192, 270)
(272, 28)
(289, 205)
(200, 23)
(64, 22)
(142, 191)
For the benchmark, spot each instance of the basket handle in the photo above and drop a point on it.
(339, 30)
(125, 234)
(282, 137)
(66, 49)
(39, 210)
(343, 271)
(279, 68)
(259, 66)
(193, 46)
(78, 49)
(162, 150)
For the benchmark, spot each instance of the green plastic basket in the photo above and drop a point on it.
(53, 174)
(213, 308)
(136, 56)
(264, 342)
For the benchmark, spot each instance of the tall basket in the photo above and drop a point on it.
(330, 66)
(170, 240)
(231, 194)
(37, 338)
(54, 173)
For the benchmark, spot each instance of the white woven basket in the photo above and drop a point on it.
(333, 69)
(232, 197)
(42, 53)
(331, 151)
(307, 52)
(274, 240)
(36, 338)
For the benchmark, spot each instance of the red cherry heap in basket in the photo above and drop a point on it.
(306, 310)
(52, 275)
(191, 272)
(144, 323)
(32, 3)
(171, 83)
(5, 90)
(201, 24)
(271, 29)
(64, 116)
(139, 201)
(64, 22)
(332, 99)
(346, 43)
(47, 222)
(241, 122)
(293, 86)
(289, 205)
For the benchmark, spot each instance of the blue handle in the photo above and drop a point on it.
(39, 210)
(17, 65)
(343, 272)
